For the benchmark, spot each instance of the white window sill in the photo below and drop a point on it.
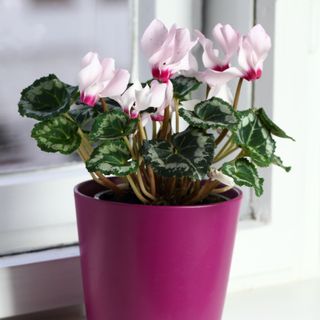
(294, 301)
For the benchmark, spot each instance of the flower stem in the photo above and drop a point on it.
(152, 180)
(235, 107)
(227, 149)
(136, 190)
(143, 188)
(176, 107)
(126, 140)
(237, 95)
(141, 130)
(203, 192)
(207, 91)
(165, 124)
(104, 105)
(154, 130)
(221, 190)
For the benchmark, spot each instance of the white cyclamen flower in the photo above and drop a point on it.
(215, 174)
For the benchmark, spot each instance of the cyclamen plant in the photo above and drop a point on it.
(105, 118)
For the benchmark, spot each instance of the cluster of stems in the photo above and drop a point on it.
(151, 188)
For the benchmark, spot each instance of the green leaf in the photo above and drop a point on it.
(112, 157)
(58, 134)
(112, 104)
(189, 154)
(47, 97)
(73, 92)
(182, 86)
(213, 113)
(112, 125)
(278, 162)
(254, 138)
(84, 116)
(244, 173)
(270, 125)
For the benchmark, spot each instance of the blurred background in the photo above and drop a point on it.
(278, 244)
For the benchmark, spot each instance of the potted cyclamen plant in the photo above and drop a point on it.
(156, 238)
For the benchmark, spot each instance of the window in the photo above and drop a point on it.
(279, 242)
(37, 38)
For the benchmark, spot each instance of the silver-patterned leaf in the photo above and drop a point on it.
(244, 173)
(270, 125)
(182, 86)
(213, 113)
(189, 154)
(112, 157)
(278, 162)
(113, 124)
(47, 97)
(58, 134)
(254, 138)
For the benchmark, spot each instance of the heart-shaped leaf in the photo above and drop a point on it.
(189, 154)
(182, 86)
(112, 157)
(254, 138)
(58, 134)
(112, 125)
(244, 173)
(213, 113)
(47, 97)
(270, 125)
(84, 115)
(278, 162)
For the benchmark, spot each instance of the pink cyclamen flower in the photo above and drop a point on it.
(227, 39)
(137, 99)
(167, 51)
(167, 102)
(219, 70)
(254, 48)
(100, 79)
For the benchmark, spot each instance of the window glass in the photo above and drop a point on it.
(38, 37)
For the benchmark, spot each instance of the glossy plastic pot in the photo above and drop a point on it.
(143, 262)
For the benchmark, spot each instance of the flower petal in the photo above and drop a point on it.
(108, 65)
(117, 85)
(223, 92)
(260, 40)
(227, 38)
(215, 174)
(153, 37)
(217, 78)
(158, 93)
(143, 98)
(91, 72)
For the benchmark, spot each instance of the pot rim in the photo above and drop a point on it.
(80, 194)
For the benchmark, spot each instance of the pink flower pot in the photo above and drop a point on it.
(143, 262)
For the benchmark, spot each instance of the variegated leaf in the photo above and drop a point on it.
(278, 162)
(112, 125)
(182, 86)
(244, 173)
(112, 157)
(47, 97)
(58, 134)
(213, 113)
(189, 154)
(254, 138)
(270, 125)
(84, 115)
